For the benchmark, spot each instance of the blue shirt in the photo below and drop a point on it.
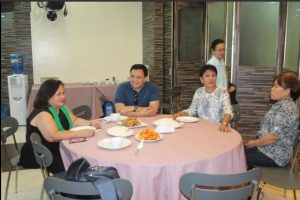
(127, 95)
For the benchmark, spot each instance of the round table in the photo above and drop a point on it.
(155, 171)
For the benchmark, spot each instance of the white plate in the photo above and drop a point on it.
(113, 143)
(110, 119)
(168, 121)
(160, 137)
(187, 119)
(120, 131)
(142, 124)
(78, 128)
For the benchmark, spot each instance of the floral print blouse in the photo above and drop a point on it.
(282, 120)
(210, 106)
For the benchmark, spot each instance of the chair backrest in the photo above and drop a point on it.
(42, 154)
(9, 127)
(82, 111)
(175, 94)
(196, 186)
(56, 185)
(236, 112)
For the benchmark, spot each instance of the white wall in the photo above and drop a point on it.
(96, 40)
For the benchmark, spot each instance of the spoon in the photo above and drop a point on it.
(139, 147)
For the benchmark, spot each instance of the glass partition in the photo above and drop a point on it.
(216, 20)
(259, 22)
(291, 54)
(190, 34)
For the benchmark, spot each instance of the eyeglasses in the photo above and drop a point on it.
(136, 94)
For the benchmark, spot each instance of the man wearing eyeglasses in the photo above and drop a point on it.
(137, 97)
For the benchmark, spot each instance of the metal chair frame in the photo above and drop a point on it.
(43, 156)
(9, 127)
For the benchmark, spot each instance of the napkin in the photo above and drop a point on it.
(164, 128)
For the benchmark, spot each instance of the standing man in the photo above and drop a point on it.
(137, 97)
(217, 59)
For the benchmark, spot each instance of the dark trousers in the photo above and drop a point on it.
(254, 157)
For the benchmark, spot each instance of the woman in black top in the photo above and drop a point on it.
(52, 119)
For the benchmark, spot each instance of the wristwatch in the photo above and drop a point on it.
(134, 108)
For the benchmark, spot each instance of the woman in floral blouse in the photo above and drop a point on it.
(279, 127)
(210, 102)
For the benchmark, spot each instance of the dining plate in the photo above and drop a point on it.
(113, 143)
(78, 128)
(120, 131)
(145, 140)
(187, 119)
(168, 121)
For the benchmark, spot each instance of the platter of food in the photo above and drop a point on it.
(148, 135)
(132, 123)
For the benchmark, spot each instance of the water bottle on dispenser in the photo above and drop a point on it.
(16, 61)
(17, 89)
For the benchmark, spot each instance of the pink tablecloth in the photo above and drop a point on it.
(156, 170)
(78, 94)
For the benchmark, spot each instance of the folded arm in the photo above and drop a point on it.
(136, 111)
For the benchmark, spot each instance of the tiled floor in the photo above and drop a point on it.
(30, 183)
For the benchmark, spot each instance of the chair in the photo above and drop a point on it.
(9, 127)
(43, 156)
(174, 94)
(217, 186)
(286, 178)
(56, 185)
(82, 111)
(236, 115)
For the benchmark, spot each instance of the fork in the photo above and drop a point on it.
(139, 147)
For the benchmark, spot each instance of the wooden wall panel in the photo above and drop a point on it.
(253, 94)
(153, 41)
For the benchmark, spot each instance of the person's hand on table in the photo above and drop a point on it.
(147, 111)
(178, 114)
(250, 144)
(96, 123)
(85, 133)
(224, 127)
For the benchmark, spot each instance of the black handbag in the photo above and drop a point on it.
(100, 176)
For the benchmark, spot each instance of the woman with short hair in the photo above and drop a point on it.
(210, 102)
(273, 146)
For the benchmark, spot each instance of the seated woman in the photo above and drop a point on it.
(52, 119)
(279, 127)
(210, 102)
